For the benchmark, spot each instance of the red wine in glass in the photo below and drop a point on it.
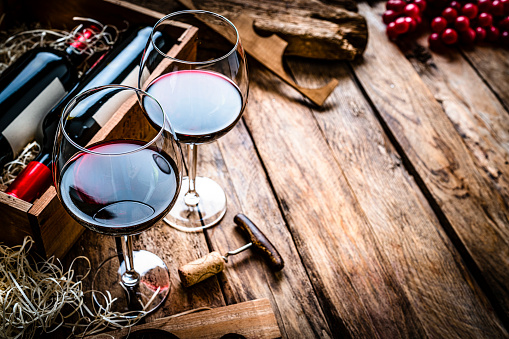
(201, 105)
(119, 195)
(204, 94)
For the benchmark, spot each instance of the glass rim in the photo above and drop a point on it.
(191, 11)
(136, 91)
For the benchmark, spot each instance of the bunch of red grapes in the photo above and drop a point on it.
(466, 22)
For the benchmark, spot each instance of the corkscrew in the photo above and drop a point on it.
(213, 263)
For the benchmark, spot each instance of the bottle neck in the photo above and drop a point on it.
(79, 48)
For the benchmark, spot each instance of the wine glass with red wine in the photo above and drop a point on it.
(120, 186)
(204, 93)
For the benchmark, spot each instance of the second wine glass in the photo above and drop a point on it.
(204, 96)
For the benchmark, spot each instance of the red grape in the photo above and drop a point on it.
(497, 8)
(504, 24)
(412, 10)
(462, 23)
(505, 4)
(455, 4)
(484, 6)
(421, 4)
(480, 34)
(468, 36)
(449, 36)
(411, 22)
(389, 16)
(450, 14)
(391, 31)
(434, 41)
(504, 39)
(438, 24)
(402, 26)
(485, 20)
(467, 21)
(396, 5)
(492, 33)
(469, 10)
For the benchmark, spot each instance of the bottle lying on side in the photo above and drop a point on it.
(31, 86)
(118, 66)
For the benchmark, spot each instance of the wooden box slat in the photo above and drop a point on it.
(250, 319)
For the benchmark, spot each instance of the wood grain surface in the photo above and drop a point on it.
(492, 64)
(388, 204)
(401, 220)
(474, 209)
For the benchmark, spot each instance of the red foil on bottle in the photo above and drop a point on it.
(31, 182)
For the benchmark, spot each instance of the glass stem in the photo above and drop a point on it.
(192, 198)
(130, 277)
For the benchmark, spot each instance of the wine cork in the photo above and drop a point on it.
(201, 269)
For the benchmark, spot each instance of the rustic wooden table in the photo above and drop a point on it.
(389, 204)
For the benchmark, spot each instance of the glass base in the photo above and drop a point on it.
(141, 299)
(209, 211)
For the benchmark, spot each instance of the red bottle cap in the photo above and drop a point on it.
(31, 182)
(85, 38)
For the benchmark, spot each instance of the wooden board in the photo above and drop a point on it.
(234, 165)
(406, 230)
(361, 197)
(492, 62)
(474, 211)
(251, 319)
(475, 111)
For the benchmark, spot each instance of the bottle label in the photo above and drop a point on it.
(23, 129)
(112, 105)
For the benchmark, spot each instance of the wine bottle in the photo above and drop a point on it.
(119, 66)
(31, 86)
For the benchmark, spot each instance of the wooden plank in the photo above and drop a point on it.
(235, 166)
(58, 230)
(61, 16)
(354, 281)
(17, 226)
(427, 265)
(250, 319)
(476, 113)
(492, 62)
(473, 208)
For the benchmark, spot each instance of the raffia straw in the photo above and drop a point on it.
(21, 42)
(13, 168)
(42, 297)
(32, 297)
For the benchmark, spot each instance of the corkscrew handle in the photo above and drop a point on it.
(260, 242)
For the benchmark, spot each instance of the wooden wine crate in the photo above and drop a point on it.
(45, 220)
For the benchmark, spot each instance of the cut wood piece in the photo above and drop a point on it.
(473, 208)
(251, 319)
(269, 52)
(312, 28)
